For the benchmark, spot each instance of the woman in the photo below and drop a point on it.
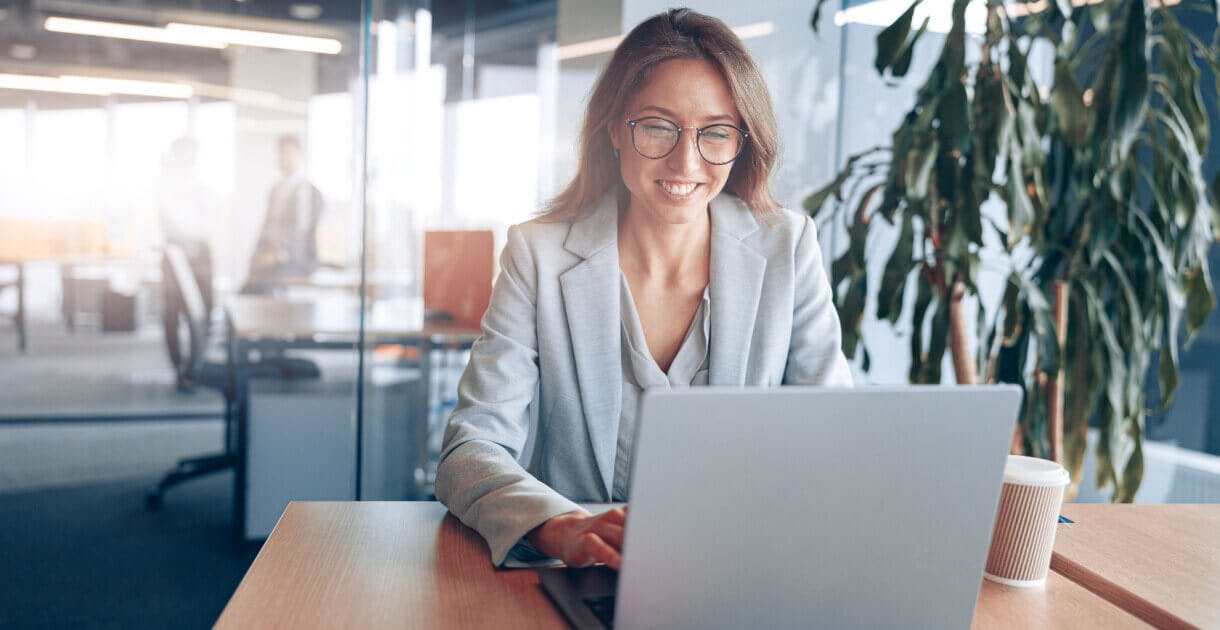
(665, 263)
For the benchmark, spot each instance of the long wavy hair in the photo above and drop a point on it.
(675, 34)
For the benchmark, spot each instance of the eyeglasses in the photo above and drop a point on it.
(655, 137)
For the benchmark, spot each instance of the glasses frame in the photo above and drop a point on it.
(632, 122)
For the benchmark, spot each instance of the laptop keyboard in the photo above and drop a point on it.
(603, 609)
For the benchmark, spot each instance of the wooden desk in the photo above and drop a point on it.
(1161, 563)
(382, 565)
(411, 565)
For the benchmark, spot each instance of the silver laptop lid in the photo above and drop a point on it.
(813, 507)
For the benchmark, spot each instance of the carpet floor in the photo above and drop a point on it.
(91, 556)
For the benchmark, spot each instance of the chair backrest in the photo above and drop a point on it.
(186, 298)
(458, 270)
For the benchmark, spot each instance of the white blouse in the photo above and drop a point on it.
(641, 372)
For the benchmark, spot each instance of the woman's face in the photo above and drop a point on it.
(675, 188)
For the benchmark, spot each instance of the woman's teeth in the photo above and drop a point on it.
(678, 190)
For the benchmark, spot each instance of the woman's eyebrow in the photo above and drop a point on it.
(670, 114)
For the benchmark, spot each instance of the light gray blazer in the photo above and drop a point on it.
(550, 339)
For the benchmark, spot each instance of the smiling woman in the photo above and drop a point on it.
(666, 262)
(723, 67)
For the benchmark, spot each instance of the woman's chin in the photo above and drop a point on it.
(678, 213)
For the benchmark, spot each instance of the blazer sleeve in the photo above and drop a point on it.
(478, 477)
(815, 354)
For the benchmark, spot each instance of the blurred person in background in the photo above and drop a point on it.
(287, 243)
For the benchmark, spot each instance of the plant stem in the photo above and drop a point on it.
(1054, 390)
(964, 367)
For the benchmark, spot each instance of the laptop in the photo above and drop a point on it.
(803, 507)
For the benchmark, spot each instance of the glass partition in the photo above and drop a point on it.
(458, 98)
(180, 245)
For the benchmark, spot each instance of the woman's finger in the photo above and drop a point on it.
(612, 534)
(602, 552)
(617, 516)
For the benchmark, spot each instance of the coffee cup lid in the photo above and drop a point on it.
(1032, 471)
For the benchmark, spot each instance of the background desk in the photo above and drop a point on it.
(412, 565)
(26, 240)
(272, 325)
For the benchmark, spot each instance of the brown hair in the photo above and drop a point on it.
(675, 34)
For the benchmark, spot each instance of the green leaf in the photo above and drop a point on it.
(851, 312)
(1131, 79)
(1201, 228)
(1106, 421)
(918, 171)
(1068, 102)
(938, 342)
(897, 270)
(991, 121)
(1133, 468)
(1200, 298)
(903, 62)
(1181, 76)
(970, 219)
(814, 202)
(891, 39)
(1030, 138)
(1082, 385)
(1126, 291)
(953, 113)
(1044, 326)
(1013, 322)
(1115, 359)
(1020, 208)
(1100, 16)
(817, 15)
(1167, 376)
(923, 301)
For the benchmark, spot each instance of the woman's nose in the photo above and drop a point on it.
(685, 157)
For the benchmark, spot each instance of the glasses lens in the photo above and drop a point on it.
(654, 137)
(720, 144)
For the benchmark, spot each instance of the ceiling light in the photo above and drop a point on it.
(757, 29)
(130, 31)
(607, 44)
(194, 35)
(262, 39)
(24, 52)
(45, 84)
(95, 86)
(128, 86)
(305, 10)
(591, 47)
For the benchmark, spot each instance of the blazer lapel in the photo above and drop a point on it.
(591, 302)
(735, 287)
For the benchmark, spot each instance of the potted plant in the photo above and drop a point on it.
(1093, 188)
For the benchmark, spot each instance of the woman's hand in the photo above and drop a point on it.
(580, 539)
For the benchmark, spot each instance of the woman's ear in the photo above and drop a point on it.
(612, 131)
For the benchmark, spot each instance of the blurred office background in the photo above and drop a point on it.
(366, 131)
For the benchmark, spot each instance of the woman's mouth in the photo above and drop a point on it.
(678, 190)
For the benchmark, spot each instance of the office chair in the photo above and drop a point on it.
(185, 305)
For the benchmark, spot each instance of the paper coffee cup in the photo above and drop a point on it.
(1024, 533)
